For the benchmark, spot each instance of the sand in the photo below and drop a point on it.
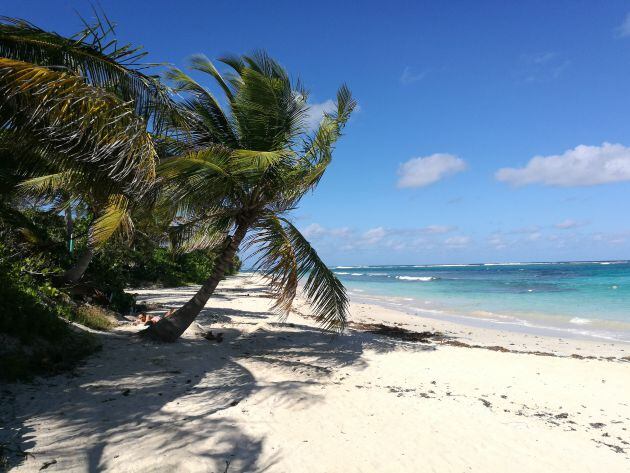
(290, 398)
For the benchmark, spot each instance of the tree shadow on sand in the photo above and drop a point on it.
(123, 404)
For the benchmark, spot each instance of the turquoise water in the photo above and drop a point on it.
(581, 298)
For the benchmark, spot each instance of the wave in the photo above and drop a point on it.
(417, 278)
(579, 321)
(444, 265)
(340, 272)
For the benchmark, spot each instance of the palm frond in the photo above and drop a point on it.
(16, 220)
(285, 257)
(266, 109)
(203, 233)
(96, 56)
(202, 114)
(318, 149)
(45, 186)
(201, 63)
(115, 219)
(56, 115)
(259, 161)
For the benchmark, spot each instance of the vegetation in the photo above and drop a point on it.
(34, 335)
(112, 178)
(242, 171)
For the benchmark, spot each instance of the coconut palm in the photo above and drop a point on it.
(245, 169)
(64, 191)
(77, 112)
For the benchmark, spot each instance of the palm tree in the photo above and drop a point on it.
(77, 112)
(243, 171)
(110, 209)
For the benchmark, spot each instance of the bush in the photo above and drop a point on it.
(119, 266)
(34, 337)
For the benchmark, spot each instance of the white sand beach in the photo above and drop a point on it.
(287, 397)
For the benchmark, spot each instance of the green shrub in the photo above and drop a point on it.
(34, 337)
(119, 266)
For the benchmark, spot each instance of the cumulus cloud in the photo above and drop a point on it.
(623, 31)
(409, 76)
(316, 113)
(422, 171)
(581, 166)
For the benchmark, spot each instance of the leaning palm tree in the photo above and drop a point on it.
(242, 172)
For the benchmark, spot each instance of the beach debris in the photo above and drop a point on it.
(597, 425)
(485, 402)
(212, 337)
(48, 463)
(614, 448)
(398, 332)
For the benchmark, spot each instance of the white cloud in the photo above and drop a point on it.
(343, 232)
(315, 230)
(528, 229)
(437, 229)
(316, 113)
(383, 238)
(409, 76)
(374, 235)
(534, 236)
(497, 241)
(568, 224)
(582, 166)
(457, 241)
(624, 29)
(422, 171)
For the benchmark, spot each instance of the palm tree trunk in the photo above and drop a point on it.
(77, 271)
(69, 230)
(169, 329)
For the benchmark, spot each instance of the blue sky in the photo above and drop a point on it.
(487, 131)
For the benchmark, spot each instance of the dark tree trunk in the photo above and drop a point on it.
(169, 329)
(76, 272)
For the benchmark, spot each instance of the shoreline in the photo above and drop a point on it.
(582, 299)
(485, 321)
(280, 397)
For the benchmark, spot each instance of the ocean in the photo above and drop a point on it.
(589, 299)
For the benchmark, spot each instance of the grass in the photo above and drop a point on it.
(93, 317)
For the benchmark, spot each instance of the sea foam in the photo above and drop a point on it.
(416, 278)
